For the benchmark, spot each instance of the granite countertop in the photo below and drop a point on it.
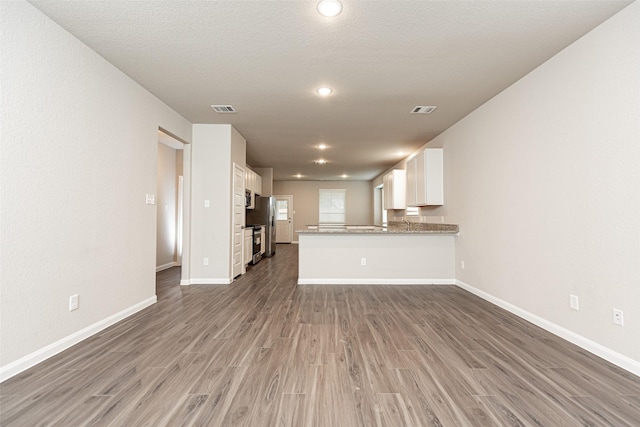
(393, 227)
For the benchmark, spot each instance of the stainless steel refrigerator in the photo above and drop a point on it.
(264, 213)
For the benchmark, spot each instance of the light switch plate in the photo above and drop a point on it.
(573, 302)
(73, 302)
(151, 199)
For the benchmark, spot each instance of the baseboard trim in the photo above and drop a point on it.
(210, 281)
(376, 281)
(185, 282)
(617, 359)
(44, 353)
(166, 266)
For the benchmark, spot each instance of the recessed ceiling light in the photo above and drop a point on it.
(344, 175)
(320, 162)
(324, 91)
(329, 8)
(322, 146)
(298, 175)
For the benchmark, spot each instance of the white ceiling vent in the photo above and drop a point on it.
(225, 109)
(423, 109)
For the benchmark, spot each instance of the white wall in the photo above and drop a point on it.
(78, 154)
(544, 181)
(213, 151)
(359, 201)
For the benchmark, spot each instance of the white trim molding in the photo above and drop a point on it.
(166, 266)
(185, 282)
(206, 281)
(44, 353)
(376, 281)
(617, 359)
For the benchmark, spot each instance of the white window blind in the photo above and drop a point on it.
(412, 211)
(332, 206)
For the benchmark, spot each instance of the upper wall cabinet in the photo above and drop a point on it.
(253, 182)
(425, 178)
(394, 189)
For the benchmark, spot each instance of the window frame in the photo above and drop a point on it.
(336, 192)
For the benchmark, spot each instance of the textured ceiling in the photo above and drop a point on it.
(382, 58)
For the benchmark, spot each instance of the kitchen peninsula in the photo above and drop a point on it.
(401, 254)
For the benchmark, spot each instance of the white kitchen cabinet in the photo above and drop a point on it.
(395, 189)
(253, 183)
(258, 185)
(425, 184)
(411, 181)
(247, 249)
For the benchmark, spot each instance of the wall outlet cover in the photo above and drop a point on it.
(618, 317)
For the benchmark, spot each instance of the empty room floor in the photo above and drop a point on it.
(265, 352)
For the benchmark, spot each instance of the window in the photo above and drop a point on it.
(282, 210)
(412, 211)
(332, 206)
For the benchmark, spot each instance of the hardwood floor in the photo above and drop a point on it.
(265, 352)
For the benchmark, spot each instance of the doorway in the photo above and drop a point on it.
(169, 207)
(284, 219)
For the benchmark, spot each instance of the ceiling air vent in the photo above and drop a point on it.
(225, 109)
(423, 109)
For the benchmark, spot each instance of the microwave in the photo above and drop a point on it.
(247, 198)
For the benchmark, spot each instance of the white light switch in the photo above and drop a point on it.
(207, 204)
(151, 199)
(73, 302)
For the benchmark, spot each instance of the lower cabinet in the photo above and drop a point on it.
(247, 250)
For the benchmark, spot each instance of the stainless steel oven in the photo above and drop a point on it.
(257, 241)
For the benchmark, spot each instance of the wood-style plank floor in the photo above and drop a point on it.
(266, 352)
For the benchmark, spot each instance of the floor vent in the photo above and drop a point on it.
(423, 109)
(225, 109)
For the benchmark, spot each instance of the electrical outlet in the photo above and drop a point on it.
(73, 302)
(573, 302)
(462, 265)
(618, 317)
(363, 261)
(205, 261)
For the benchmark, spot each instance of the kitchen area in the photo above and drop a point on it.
(259, 234)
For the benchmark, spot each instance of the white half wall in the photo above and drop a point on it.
(389, 259)
(544, 181)
(79, 154)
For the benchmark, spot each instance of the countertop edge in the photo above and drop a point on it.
(379, 232)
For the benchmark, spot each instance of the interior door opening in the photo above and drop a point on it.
(169, 206)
